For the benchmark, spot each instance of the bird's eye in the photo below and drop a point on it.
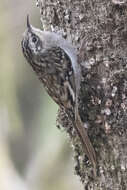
(34, 39)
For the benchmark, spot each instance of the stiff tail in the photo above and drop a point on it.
(88, 148)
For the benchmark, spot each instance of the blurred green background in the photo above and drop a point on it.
(34, 154)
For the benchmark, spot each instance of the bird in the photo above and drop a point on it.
(55, 62)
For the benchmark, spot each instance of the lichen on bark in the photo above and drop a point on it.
(98, 28)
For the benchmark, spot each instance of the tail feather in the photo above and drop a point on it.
(88, 148)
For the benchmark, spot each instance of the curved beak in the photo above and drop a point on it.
(28, 23)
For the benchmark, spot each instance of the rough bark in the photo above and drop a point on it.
(98, 28)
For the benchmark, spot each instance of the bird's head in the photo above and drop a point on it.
(32, 42)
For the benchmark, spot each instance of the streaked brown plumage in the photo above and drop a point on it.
(54, 61)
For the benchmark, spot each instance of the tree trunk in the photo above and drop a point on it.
(98, 28)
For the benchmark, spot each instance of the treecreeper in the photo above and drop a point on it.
(55, 62)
